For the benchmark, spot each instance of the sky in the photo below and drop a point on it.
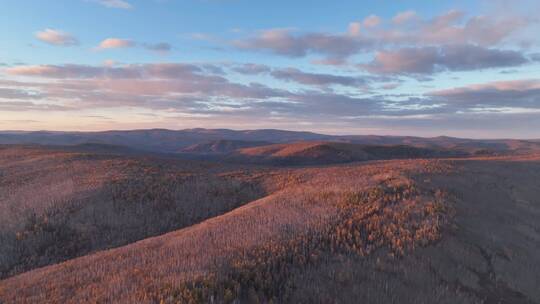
(423, 68)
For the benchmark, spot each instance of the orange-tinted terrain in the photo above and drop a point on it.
(301, 221)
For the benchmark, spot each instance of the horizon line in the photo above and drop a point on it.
(267, 129)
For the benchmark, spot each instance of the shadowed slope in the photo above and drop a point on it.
(56, 205)
(489, 253)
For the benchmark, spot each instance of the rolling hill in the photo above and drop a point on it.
(174, 141)
(156, 140)
(222, 146)
(57, 204)
(395, 231)
(324, 153)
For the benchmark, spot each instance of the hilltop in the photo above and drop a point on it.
(323, 153)
(222, 146)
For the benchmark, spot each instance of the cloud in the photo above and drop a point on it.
(131, 83)
(56, 37)
(535, 57)
(179, 87)
(516, 93)
(390, 86)
(212, 68)
(18, 106)
(162, 47)
(279, 41)
(52, 71)
(450, 28)
(429, 60)
(372, 21)
(355, 28)
(252, 69)
(407, 60)
(115, 4)
(284, 42)
(295, 75)
(115, 43)
(484, 31)
(109, 62)
(322, 80)
(404, 17)
(78, 71)
(9, 93)
(192, 91)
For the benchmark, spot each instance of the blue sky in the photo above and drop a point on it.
(460, 68)
(175, 21)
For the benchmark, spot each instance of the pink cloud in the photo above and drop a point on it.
(427, 60)
(317, 79)
(450, 28)
(56, 37)
(52, 71)
(523, 94)
(115, 43)
(354, 28)
(404, 17)
(509, 85)
(284, 42)
(372, 21)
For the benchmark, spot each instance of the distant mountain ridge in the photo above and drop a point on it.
(174, 141)
(222, 146)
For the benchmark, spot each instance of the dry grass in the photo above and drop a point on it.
(388, 215)
(57, 205)
(419, 231)
(200, 250)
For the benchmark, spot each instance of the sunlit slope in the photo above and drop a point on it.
(151, 269)
(324, 153)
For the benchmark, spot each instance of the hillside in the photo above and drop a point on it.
(323, 153)
(57, 204)
(400, 231)
(222, 146)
